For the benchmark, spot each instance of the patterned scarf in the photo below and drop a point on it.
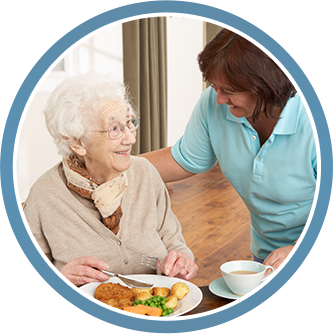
(106, 196)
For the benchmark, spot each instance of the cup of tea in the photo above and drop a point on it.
(32, 306)
(243, 276)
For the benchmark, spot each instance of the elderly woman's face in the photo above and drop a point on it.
(106, 158)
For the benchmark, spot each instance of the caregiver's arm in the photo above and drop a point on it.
(166, 165)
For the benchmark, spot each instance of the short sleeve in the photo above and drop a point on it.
(194, 151)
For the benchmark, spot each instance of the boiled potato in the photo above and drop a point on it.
(139, 290)
(142, 295)
(180, 290)
(163, 292)
(172, 302)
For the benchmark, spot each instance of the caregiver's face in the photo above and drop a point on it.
(241, 104)
(106, 158)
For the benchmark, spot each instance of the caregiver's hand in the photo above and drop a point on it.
(177, 264)
(81, 270)
(275, 258)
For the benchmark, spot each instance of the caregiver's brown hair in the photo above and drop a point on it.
(245, 68)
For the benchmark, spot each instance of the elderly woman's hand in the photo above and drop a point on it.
(275, 258)
(81, 270)
(177, 264)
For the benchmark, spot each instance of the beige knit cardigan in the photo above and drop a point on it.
(67, 226)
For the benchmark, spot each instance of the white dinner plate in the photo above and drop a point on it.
(188, 303)
(280, 302)
(220, 288)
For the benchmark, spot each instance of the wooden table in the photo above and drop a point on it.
(209, 302)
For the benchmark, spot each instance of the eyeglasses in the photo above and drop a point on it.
(117, 128)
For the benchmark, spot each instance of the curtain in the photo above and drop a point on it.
(209, 31)
(145, 73)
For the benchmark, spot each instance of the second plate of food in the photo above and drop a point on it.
(188, 303)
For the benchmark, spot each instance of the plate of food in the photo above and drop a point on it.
(169, 296)
(290, 298)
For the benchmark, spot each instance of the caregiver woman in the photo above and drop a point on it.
(254, 124)
(100, 207)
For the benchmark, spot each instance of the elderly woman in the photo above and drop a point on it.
(253, 122)
(101, 208)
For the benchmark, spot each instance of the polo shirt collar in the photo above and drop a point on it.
(287, 124)
(288, 121)
(232, 118)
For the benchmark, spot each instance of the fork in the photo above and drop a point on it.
(149, 261)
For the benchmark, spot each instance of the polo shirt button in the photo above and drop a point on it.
(254, 137)
(257, 158)
(125, 261)
(119, 243)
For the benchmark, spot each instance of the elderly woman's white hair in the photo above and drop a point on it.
(74, 102)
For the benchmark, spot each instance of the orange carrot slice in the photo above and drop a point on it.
(154, 311)
(143, 310)
(295, 300)
(138, 309)
(294, 291)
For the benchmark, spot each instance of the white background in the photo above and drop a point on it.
(318, 60)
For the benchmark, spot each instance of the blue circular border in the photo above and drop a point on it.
(10, 201)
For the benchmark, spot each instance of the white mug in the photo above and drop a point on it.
(237, 277)
(32, 306)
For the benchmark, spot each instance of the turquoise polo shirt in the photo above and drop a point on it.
(276, 181)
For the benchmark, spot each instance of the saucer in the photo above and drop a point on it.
(220, 288)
